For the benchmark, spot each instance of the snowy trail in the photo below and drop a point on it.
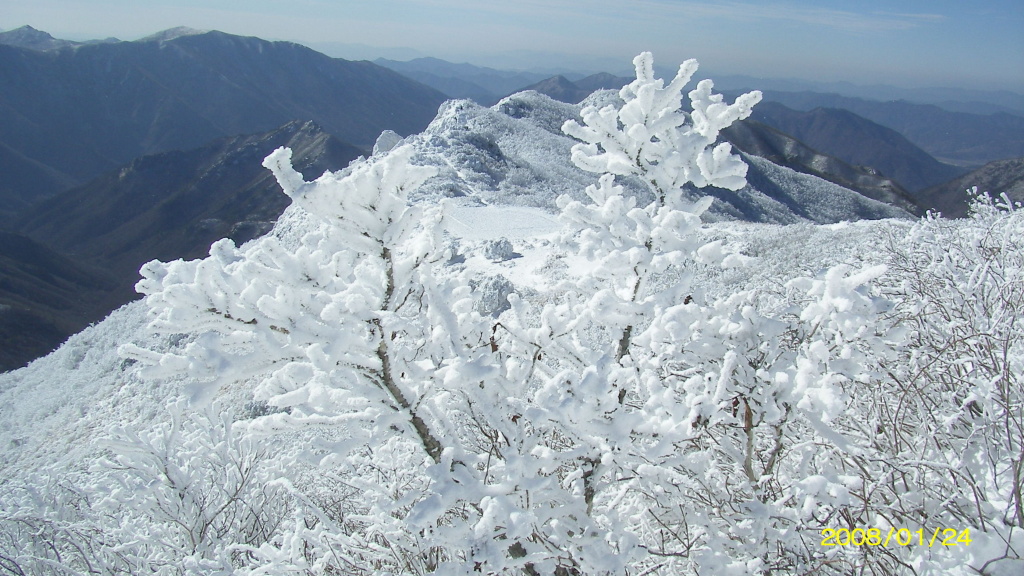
(493, 222)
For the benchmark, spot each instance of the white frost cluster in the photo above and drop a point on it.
(651, 135)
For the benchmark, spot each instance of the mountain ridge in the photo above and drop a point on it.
(951, 137)
(763, 138)
(515, 153)
(29, 37)
(84, 111)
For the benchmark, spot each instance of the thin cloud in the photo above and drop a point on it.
(654, 9)
(816, 16)
(920, 18)
(797, 11)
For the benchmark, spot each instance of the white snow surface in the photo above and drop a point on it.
(492, 222)
(53, 410)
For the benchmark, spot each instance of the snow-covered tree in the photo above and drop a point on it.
(349, 326)
(626, 422)
(341, 327)
(184, 497)
(578, 363)
(682, 415)
(652, 137)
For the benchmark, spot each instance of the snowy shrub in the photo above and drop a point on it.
(492, 295)
(650, 136)
(950, 426)
(498, 250)
(185, 497)
(206, 485)
(350, 329)
(47, 527)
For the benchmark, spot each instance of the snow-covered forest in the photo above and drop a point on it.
(610, 377)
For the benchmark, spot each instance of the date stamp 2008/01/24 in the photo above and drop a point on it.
(895, 536)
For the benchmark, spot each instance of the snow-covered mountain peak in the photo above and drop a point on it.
(172, 33)
(515, 153)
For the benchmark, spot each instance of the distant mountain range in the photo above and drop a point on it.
(952, 137)
(70, 114)
(116, 153)
(29, 37)
(562, 89)
(482, 85)
(974, 101)
(119, 152)
(950, 133)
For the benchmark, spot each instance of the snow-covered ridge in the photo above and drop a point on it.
(171, 34)
(515, 153)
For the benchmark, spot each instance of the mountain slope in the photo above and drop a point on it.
(88, 110)
(173, 205)
(999, 177)
(856, 140)
(21, 173)
(766, 142)
(954, 137)
(44, 298)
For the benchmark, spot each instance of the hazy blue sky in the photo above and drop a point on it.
(907, 43)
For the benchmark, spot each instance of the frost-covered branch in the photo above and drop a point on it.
(650, 136)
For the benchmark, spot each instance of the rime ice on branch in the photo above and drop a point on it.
(649, 136)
